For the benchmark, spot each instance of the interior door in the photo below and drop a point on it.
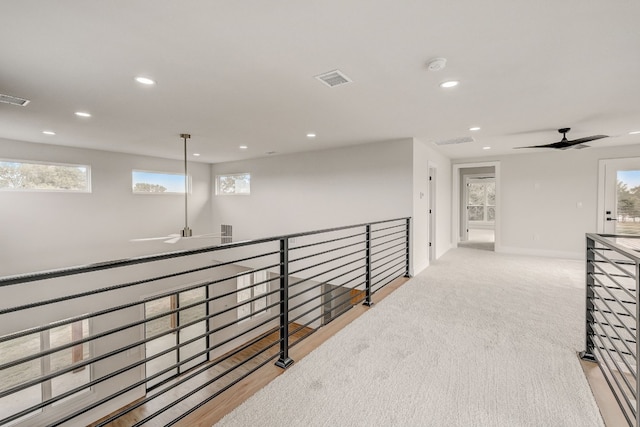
(432, 213)
(619, 196)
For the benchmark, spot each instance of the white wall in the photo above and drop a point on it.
(425, 156)
(320, 189)
(45, 230)
(540, 192)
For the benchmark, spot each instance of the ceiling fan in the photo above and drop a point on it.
(186, 232)
(565, 143)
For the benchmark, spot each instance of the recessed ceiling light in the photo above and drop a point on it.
(48, 132)
(486, 148)
(635, 132)
(82, 114)
(311, 135)
(145, 81)
(196, 154)
(474, 128)
(243, 147)
(449, 83)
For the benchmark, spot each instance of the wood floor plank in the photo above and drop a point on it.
(611, 413)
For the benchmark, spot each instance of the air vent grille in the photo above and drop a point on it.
(227, 233)
(452, 141)
(8, 99)
(334, 78)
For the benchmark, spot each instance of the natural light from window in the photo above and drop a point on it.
(16, 175)
(233, 184)
(145, 182)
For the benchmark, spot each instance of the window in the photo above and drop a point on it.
(247, 292)
(239, 183)
(36, 176)
(144, 182)
(32, 370)
(481, 200)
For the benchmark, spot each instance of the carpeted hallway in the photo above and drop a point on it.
(477, 339)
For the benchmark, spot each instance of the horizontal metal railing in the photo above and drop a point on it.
(149, 340)
(612, 274)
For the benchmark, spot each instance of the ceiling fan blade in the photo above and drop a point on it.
(173, 240)
(565, 143)
(148, 239)
(206, 236)
(558, 145)
(588, 138)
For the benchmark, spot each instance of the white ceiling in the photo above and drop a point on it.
(237, 73)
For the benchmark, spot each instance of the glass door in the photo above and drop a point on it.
(619, 201)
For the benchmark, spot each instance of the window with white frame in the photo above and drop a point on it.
(233, 184)
(481, 200)
(251, 286)
(18, 175)
(147, 182)
(38, 342)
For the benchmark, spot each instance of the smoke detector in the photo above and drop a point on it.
(437, 64)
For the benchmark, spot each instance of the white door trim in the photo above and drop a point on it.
(432, 185)
(455, 230)
(605, 166)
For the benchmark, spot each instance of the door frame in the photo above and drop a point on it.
(621, 163)
(455, 229)
(431, 189)
(465, 196)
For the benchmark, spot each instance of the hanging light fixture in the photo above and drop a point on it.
(186, 232)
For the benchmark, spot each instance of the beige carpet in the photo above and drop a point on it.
(477, 339)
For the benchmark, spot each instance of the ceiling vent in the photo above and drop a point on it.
(8, 99)
(334, 78)
(452, 141)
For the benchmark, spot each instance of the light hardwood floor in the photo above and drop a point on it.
(609, 409)
(225, 402)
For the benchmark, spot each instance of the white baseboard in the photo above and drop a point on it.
(540, 252)
(418, 269)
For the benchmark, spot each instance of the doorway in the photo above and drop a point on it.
(476, 188)
(619, 196)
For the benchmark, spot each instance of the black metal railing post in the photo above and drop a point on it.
(284, 361)
(588, 354)
(408, 253)
(367, 301)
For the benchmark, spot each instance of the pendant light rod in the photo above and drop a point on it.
(186, 231)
